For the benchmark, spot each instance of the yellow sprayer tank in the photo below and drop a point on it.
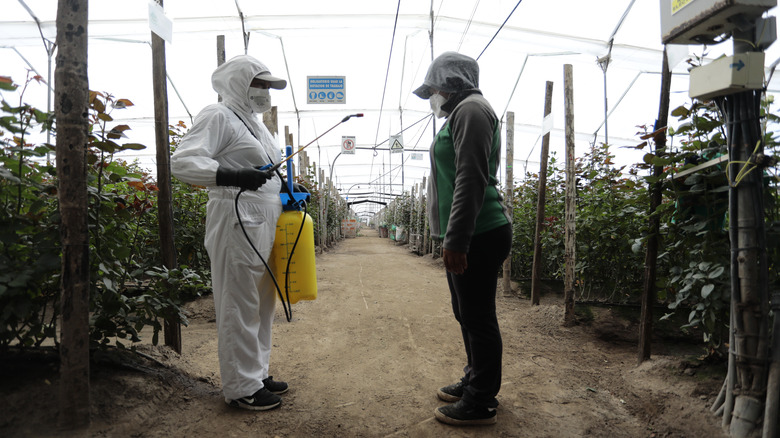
(302, 281)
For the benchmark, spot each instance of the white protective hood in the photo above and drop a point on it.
(219, 136)
(231, 80)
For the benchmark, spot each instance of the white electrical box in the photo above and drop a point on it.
(728, 75)
(701, 21)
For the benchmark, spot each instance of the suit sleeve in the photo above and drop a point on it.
(194, 160)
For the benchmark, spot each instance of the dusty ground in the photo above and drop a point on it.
(365, 359)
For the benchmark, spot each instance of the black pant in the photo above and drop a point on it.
(474, 305)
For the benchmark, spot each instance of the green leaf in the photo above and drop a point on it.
(681, 111)
(133, 146)
(706, 290)
(658, 161)
(7, 84)
(717, 272)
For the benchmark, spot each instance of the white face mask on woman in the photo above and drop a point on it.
(437, 101)
(259, 99)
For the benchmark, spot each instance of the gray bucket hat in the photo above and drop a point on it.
(450, 72)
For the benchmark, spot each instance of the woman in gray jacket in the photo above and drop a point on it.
(467, 214)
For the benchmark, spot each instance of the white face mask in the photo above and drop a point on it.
(259, 99)
(437, 101)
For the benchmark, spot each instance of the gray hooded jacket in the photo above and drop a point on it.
(463, 199)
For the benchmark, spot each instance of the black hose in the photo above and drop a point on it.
(287, 309)
(289, 258)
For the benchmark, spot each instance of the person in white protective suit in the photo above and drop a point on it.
(223, 151)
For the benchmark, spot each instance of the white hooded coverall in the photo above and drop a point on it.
(244, 297)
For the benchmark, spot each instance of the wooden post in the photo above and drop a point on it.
(271, 121)
(571, 194)
(295, 168)
(220, 55)
(324, 212)
(172, 328)
(536, 270)
(424, 225)
(72, 112)
(287, 142)
(510, 190)
(412, 200)
(651, 253)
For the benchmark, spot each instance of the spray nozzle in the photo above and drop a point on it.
(350, 116)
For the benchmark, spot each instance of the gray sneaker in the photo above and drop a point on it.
(451, 393)
(262, 400)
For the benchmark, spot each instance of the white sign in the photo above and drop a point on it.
(547, 124)
(326, 89)
(417, 156)
(347, 145)
(396, 144)
(161, 25)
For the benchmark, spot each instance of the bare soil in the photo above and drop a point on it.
(365, 360)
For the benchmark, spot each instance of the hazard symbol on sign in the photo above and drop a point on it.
(396, 144)
(347, 145)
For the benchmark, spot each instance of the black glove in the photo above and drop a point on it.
(247, 178)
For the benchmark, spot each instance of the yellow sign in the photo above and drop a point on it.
(679, 4)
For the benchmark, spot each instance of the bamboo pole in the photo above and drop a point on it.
(172, 328)
(571, 193)
(536, 270)
(510, 188)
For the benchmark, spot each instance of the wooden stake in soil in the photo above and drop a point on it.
(72, 112)
(571, 194)
(510, 158)
(172, 328)
(651, 254)
(541, 201)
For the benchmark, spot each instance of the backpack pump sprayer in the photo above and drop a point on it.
(294, 230)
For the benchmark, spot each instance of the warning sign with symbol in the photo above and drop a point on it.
(347, 145)
(396, 144)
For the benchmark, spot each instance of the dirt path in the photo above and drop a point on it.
(365, 359)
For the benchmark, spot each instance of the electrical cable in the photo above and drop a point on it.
(499, 29)
(468, 25)
(387, 74)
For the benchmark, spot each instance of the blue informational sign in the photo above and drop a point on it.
(326, 89)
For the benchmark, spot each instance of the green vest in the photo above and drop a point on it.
(493, 214)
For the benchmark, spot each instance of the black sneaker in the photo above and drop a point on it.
(451, 393)
(262, 400)
(275, 387)
(463, 414)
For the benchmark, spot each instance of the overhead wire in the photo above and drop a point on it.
(387, 73)
(499, 29)
(468, 25)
